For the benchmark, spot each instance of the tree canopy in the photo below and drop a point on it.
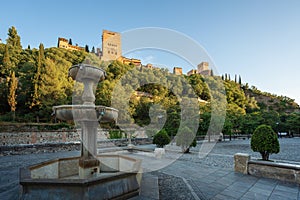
(42, 82)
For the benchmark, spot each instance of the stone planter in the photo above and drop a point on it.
(267, 169)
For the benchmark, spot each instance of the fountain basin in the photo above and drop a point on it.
(85, 112)
(83, 71)
(120, 177)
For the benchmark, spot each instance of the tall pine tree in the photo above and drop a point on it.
(13, 38)
(7, 64)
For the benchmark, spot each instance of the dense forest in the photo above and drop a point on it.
(34, 80)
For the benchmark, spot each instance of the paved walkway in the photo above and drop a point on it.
(177, 176)
(208, 182)
(219, 184)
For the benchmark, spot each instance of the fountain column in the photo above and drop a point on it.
(89, 165)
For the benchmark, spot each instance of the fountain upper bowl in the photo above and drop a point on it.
(84, 71)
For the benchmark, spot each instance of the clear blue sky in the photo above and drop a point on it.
(259, 40)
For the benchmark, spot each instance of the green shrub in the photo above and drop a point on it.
(186, 139)
(115, 134)
(161, 138)
(265, 141)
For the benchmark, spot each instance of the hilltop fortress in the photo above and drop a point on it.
(112, 50)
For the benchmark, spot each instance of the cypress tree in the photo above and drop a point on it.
(70, 41)
(240, 80)
(87, 48)
(12, 96)
(93, 49)
(36, 80)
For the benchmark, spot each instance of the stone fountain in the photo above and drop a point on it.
(89, 176)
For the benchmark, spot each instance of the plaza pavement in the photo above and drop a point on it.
(177, 176)
(219, 182)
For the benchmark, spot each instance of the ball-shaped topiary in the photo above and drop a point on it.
(161, 138)
(265, 141)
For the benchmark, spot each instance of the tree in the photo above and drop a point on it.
(240, 80)
(186, 139)
(227, 128)
(70, 41)
(6, 63)
(13, 38)
(87, 48)
(161, 138)
(93, 50)
(293, 122)
(36, 101)
(265, 141)
(25, 88)
(12, 96)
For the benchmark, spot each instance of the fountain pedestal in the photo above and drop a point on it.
(89, 165)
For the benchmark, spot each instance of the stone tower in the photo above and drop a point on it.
(111, 45)
(203, 68)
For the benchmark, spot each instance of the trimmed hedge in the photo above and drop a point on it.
(161, 138)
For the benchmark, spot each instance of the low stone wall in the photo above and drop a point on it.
(27, 141)
(37, 148)
(27, 136)
(21, 149)
(280, 171)
(39, 137)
